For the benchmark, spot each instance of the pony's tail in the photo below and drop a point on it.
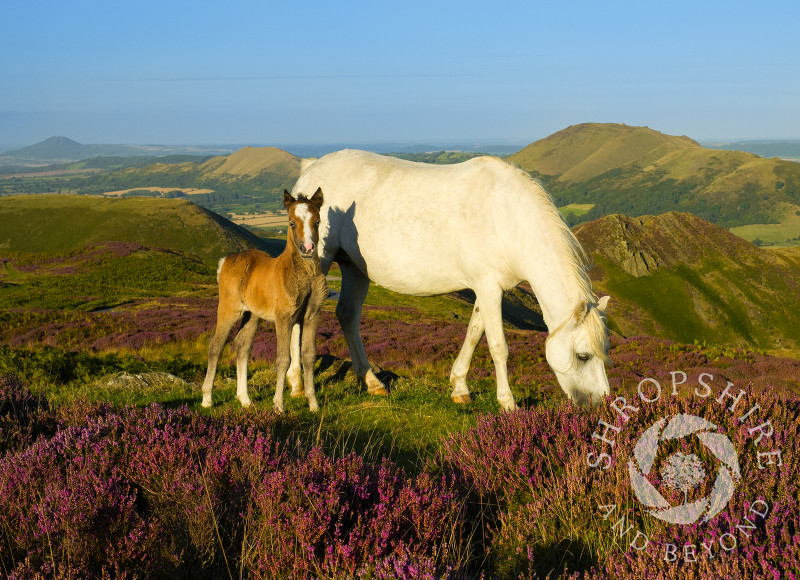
(306, 163)
(219, 268)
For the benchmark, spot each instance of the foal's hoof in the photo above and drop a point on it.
(378, 391)
(462, 399)
(298, 393)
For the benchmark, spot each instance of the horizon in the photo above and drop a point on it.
(363, 73)
(435, 143)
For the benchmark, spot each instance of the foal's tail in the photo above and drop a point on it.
(219, 268)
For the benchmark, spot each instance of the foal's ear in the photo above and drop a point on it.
(287, 199)
(602, 303)
(317, 198)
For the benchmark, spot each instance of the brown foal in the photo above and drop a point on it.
(287, 290)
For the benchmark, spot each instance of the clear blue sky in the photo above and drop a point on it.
(241, 72)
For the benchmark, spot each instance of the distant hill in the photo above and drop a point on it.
(63, 150)
(680, 277)
(783, 148)
(53, 223)
(54, 148)
(612, 168)
(253, 171)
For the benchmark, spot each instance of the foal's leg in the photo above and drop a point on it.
(458, 375)
(490, 302)
(311, 321)
(225, 323)
(283, 332)
(355, 286)
(244, 344)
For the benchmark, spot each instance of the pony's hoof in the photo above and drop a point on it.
(374, 385)
(508, 406)
(245, 403)
(298, 393)
(313, 406)
(462, 399)
(207, 404)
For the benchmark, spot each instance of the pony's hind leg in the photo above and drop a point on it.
(244, 344)
(225, 323)
(458, 375)
(355, 286)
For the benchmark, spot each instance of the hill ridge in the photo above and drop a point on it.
(680, 277)
(53, 223)
(636, 171)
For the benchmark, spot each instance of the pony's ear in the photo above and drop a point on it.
(287, 199)
(317, 199)
(603, 303)
(581, 310)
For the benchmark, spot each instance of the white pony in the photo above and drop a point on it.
(423, 229)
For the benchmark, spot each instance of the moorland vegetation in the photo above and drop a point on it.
(110, 468)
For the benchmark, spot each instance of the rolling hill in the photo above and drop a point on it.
(55, 223)
(680, 277)
(250, 175)
(612, 168)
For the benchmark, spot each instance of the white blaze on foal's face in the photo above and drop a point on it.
(304, 220)
(305, 215)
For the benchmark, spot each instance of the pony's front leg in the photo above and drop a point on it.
(244, 345)
(490, 303)
(294, 375)
(283, 333)
(458, 375)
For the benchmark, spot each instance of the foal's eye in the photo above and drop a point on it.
(584, 356)
(293, 225)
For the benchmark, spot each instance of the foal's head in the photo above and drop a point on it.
(304, 221)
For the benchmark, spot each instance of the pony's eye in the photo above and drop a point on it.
(294, 225)
(584, 356)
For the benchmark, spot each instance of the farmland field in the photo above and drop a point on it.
(110, 467)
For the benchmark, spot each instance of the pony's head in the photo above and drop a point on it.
(304, 221)
(577, 351)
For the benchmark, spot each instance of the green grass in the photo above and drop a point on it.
(783, 234)
(144, 274)
(48, 223)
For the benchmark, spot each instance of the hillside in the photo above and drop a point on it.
(680, 277)
(54, 223)
(635, 171)
(249, 180)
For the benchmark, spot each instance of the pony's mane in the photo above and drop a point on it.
(570, 250)
(577, 263)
